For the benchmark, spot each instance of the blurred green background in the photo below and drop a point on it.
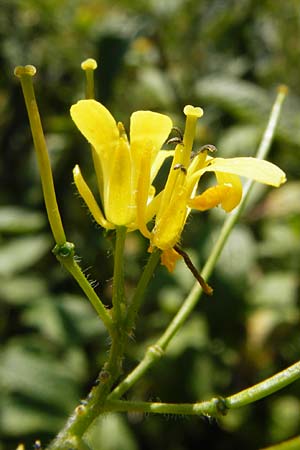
(228, 57)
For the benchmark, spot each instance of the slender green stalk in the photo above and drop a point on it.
(216, 405)
(137, 299)
(64, 251)
(265, 388)
(26, 74)
(196, 292)
(118, 298)
(291, 444)
(207, 408)
(65, 255)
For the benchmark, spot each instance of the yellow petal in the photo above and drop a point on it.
(89, 199)
(142, 193)
(210, 198)
(234, 196)
(255, 169)
(119, 205)
(148, 132)
(98, 126)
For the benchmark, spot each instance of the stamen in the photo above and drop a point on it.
(207, 289)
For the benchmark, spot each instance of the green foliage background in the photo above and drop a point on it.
(228, 57)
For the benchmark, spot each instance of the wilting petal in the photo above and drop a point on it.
(235, 194)
(89, 199)
(98, 126)
(169, 258)
(210, 198)
(255, 169)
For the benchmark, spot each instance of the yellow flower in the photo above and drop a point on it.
(124, 170)
(179, 195)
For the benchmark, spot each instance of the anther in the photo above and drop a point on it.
(177, 139)
(205, 148)
(181, 167)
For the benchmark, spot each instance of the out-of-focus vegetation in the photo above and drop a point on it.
(228, 57)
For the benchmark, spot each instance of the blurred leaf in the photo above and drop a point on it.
(279, 241)
(38, 377)
(19, 417)
(238, 254)
(246, 100)
(193, 334)
(22, 289)
(239, 140)
(14, 219)
(111, 433)
(154, 88)
(278, 291)
(21, 253)
(64, 319)
(285, 418)
(281, 202)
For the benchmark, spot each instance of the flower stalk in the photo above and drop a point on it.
(26, 74)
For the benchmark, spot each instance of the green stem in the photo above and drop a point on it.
(291, 444)
(265, 388)
(216, 405)
(118, 297)
(26, 74)
(137, 299)
(65, 255)
(196, 292)
(209, 408)
(88, 411)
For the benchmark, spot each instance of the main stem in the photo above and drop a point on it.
(85, 414)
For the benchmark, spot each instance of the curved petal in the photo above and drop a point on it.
(210, 198)
(234, 196)
(256, 169)
(98, 126)
(148, 131)
(89, 199)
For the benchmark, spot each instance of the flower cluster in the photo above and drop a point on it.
(126, 169)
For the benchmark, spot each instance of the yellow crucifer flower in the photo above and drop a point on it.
(179, 195)
(124, 170)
